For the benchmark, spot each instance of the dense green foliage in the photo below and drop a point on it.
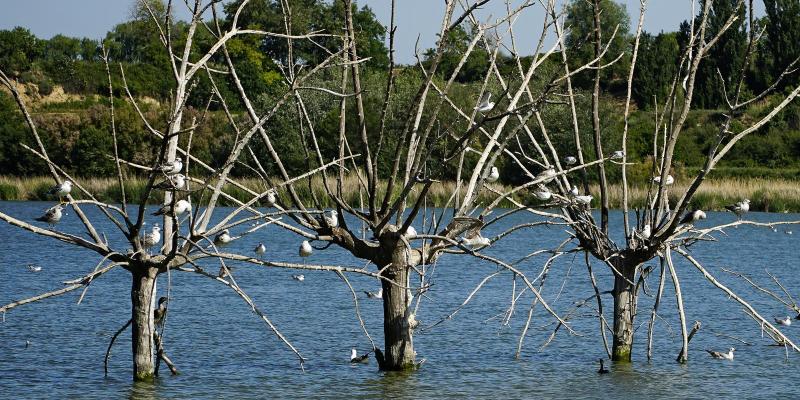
(76, 129)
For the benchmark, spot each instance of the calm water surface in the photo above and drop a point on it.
(224, 350)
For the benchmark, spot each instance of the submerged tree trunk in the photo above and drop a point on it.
(397, 331)
(624, 311)
(142, 286)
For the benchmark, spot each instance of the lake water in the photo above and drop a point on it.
(224, 350)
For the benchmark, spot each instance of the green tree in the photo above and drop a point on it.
(458, 40)
(726, 56)
(580, 39)
(655, 68)
(18, 49)
(783, 36)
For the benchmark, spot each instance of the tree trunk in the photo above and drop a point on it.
(142, 287)
(397, 331)
(624, 310)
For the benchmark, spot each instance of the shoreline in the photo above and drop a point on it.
(768, 195)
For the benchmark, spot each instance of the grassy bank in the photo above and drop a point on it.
(775, 195)
(107, 190)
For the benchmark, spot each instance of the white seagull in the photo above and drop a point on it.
(332, 219)
(494, 174)
(542, 193)
(223, 238)
(375, 295)
(692, 217)
(173, 182)
(645, 232)
(586, 199)
(153, 238)
(181, 207)
(61, 190)
(484, 104)
(271, 198)
(172, 168)
(260, 249)
(411, 231)
(299, 277)
(739, 208)
(783, 321)
(52, 215)
(34, 268)
(669, 181)
(617, 155)
(546, 176)
(570, 160)
(574, 191)
(722, 356)
(476, 241)
(305, 249)
(357, 359)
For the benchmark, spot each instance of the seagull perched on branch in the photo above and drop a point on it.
(153, 238)
(484, 104)
(617, 155)
(223, 238)
(669, 181)
(585, 199)
(542, 193)
(52, 215)
(570, 160)
(786, 321)
(271, 198)
(61, 190)
(645, 232)
(546, 176)
(411, 231)
(494, 174)
(739, 208)
(305, 249)
(722, 356)
(172, 168)
(357, 359)
(260, 249)
(181, 207)
(173, 182)
(574, 191)
(692, 217)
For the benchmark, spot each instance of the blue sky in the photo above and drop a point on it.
(415, 18)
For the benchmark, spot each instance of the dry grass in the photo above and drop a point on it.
(765, 194)
(775, 195)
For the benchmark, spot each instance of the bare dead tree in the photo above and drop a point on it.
(390, 203)
(661, 228)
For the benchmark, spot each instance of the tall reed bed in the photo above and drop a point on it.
(775, 195)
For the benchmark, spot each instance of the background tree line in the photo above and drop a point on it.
(77, 127)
